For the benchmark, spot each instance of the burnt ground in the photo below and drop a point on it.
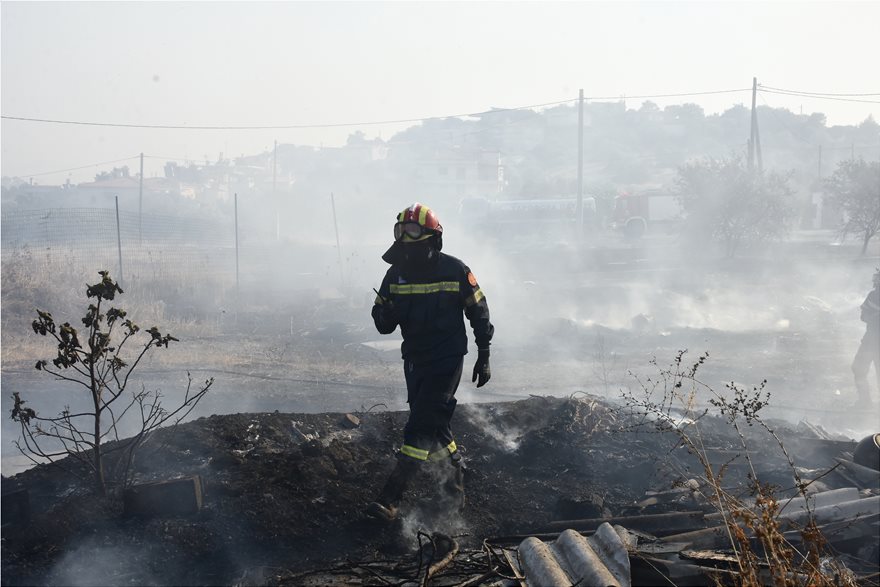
(283, 493)
(280, 500)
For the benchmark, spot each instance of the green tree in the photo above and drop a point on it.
(725, 201)
(855, 187)
(96, 363)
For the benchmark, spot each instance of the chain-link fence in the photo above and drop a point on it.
(133, 247)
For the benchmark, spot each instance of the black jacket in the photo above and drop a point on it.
(871, 311)
(428, 306)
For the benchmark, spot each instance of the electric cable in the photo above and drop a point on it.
(625, 97)
(76, 168)
(816, 93)
(368, 123)
(283, 126)
(796, 135)
(816, 97)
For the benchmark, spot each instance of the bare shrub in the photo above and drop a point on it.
(670, 402)
(96, 363)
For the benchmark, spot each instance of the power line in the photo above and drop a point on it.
(75, 168)
(164, 158)
(818, 97)
(282, 126)
(625, 97)
(344, 124)
(814, 93)
(848, 147)
(797, 134)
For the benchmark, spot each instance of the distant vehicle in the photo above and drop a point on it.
(636, 214)
(531, 216)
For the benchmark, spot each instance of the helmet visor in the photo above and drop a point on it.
(413, 230)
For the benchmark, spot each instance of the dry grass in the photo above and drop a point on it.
(42, 280)
(668, 403)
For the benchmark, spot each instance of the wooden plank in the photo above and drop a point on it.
(514, 566)
(657, 524)
(164, 498)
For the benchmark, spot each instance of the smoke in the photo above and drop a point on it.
(570, 314)
(94, 564)
(438, 512)
(485, 418)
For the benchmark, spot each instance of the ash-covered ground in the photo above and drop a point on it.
(283, 492)
(285, 481)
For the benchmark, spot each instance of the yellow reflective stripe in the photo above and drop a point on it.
(423, 214)
(448, 450)
(423, 288)
(400, 216)
(414, 452)
(475, 298)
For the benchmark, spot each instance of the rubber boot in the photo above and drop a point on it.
(385, 505)
(453, 487)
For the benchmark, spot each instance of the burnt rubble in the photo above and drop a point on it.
(565, 486)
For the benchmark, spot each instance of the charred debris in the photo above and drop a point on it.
(570, 491)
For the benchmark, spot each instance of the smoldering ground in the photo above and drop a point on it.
(293, 337)
(297, 347)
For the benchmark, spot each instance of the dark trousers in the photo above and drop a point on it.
(431, 391)
(869, 352)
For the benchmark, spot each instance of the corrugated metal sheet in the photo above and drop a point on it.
(598, 561)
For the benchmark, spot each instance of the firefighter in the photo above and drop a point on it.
(425, 292)
(869, 349)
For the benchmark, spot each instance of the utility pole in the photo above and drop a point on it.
(237, 283)
(118, 240)
(141, 205)
(819, 169)
(580, 193)
(274, 197)
(755, 140)
(338, 247)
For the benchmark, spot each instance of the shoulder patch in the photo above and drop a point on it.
(472, 279)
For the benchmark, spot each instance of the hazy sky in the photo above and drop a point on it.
(206, 63)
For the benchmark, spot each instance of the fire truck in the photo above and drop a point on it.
(650, 210)
(530, 216)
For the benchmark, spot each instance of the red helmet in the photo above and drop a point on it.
(416, 223)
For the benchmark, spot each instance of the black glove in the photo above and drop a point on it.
(481, 368)
(388, 313)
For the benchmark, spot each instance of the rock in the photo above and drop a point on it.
(351, 421)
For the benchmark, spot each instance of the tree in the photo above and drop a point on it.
(725, 201)
(855, 187)
(115, 173)
(95, 362)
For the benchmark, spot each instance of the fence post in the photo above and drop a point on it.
(236, 249)
(118, 239)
